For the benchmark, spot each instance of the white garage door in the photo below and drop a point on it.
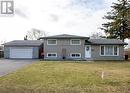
(25, 52)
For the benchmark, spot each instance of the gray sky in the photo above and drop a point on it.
(77, 17)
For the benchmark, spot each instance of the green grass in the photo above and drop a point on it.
(69, 77)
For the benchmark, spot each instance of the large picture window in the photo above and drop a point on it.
(109, 50)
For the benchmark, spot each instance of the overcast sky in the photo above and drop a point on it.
(76, 17)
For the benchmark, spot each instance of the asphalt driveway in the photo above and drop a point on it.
(8, 66)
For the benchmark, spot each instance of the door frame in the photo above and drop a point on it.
(89, 50)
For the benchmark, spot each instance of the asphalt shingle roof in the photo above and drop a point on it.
(24, 43)
(63, 36)
(105, 42)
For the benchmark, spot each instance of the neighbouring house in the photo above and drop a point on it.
(66, 47)
(1, 51)
(127, 52)
(72, 47)
(19, 49)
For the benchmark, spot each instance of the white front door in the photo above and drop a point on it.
(87, 51)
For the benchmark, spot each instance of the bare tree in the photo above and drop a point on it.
(2, 42)
(2, 46)
(96, 35)
(34, 34)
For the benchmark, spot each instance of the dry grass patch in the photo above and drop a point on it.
(69, 77)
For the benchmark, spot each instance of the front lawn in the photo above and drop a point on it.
(69, 77)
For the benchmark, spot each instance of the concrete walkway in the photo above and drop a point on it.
(8, 66)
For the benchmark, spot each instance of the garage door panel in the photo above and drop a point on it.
(21, 52)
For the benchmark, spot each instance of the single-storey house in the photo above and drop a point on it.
(23, 49)
(66, 47)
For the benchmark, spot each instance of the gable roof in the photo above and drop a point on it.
(24, 43)
(64, 36)
(105, 42)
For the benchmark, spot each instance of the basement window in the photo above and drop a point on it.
(51, 54)
(75, 55)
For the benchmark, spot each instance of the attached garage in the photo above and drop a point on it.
(23, 49)
(19, 52)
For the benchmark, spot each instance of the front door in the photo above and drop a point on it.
(87, 51)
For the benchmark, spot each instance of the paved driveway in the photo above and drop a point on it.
(8, 66)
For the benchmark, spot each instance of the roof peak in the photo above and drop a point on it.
(64, 36)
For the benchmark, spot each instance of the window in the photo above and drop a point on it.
(87, 48)
(75, 55)
(52, 42)
(109, 50)
(115, 50)
(75, 42)
(51, 54)
(102, 50)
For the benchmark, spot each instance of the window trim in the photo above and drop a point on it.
(51, 44)
(112, 50)
(75, 44)
(52, 56)
(75, 53)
